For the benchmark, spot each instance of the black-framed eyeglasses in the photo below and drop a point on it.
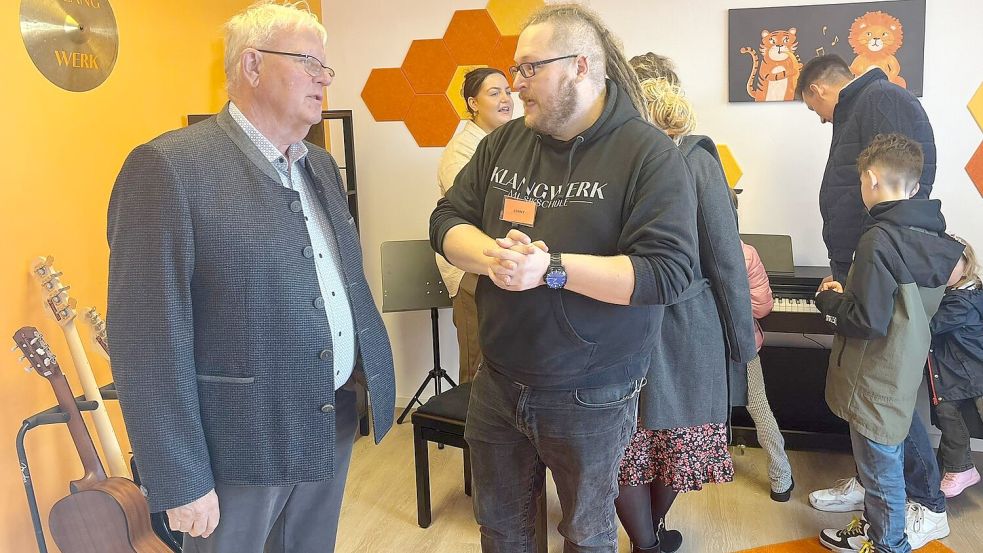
(528, 69)
(312, 65)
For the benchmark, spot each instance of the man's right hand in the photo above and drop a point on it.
(198, 518)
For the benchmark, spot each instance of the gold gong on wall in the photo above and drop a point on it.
(73, 43)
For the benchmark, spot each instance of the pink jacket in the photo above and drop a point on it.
(761, 298)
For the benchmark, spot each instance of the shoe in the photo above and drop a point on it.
(845, 496)
(850, 539)
(654, 549)
(669, 540)
(782, 497)
(953, 483)
(922, 525)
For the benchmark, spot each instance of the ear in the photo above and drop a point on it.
(791, 31)
(816, 89)
(473, 104)
(873, 179)
(764, 33)
(583, 66)
(914, 190)
(250, 65)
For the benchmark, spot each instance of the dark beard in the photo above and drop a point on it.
(558, 111)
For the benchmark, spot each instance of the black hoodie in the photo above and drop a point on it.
(621, 187)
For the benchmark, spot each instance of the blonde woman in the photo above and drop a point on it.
(681, 441)
(489, 102)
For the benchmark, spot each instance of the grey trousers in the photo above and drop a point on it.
(302, 518)
(769, 436)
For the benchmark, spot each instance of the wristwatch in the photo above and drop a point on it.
(556, 275)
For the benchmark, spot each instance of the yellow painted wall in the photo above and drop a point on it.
(60, 153)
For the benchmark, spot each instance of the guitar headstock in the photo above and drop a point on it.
(56, 298)
(31, 343)
(97, 330)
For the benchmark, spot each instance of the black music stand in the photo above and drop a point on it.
(411, 282)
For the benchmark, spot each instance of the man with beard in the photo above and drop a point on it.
(596, 214)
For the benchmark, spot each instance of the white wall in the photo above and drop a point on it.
(781, 147)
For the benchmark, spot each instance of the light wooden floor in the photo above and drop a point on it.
(379, 512)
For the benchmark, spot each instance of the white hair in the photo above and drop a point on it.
(259, 25)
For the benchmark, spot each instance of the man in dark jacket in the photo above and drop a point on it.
(239, 313)
(859, 108)
(904, 261)
(609, 196)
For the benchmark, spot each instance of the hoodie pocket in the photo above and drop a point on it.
(566, 327)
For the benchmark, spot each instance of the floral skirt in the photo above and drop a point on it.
(682, 459)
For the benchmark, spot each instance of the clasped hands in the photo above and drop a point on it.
(517, 263)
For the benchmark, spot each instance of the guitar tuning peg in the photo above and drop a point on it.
(35, 340)
(15, 348)
(27, 369)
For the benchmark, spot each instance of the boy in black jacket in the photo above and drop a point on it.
(902, 265)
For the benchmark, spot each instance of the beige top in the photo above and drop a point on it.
(456, 155)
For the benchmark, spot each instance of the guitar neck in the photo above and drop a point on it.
(104, 427)
(80, 435)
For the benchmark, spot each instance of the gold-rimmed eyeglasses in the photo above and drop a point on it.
(312, 65)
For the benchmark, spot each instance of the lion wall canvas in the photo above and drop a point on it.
(768, 46)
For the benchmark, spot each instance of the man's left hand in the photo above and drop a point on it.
(519, 263)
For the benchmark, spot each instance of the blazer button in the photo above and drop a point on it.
(296, 206)
(325, 354)
(308, 252)
(327, 408)
(319, 302)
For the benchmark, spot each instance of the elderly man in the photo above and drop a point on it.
(239, 313)
(595, 212)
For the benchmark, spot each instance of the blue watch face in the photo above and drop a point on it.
(556, 279)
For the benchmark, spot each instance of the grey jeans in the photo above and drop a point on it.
(302, 518)
(515, 432)
(954, 452)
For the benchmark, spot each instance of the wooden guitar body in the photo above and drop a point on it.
(110, 516)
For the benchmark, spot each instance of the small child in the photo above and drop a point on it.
(769, 436)
(902, 264)
(956, 365)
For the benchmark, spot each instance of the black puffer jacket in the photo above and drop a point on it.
(868, 106)
(957, 346)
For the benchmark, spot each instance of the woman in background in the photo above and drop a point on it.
(489, 101)
(681, 441)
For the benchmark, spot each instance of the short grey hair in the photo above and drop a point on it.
(258, 25)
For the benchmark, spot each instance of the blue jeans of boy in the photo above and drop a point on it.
(886, 472)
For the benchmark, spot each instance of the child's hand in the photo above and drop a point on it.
(831, 285)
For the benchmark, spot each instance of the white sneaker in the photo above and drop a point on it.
(922, 525)
(846, 495)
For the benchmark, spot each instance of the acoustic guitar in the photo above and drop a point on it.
(62, 308)
(102, 514)
(99, 339)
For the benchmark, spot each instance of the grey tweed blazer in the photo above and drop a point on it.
(220, 344)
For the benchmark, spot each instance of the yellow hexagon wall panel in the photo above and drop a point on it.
(455, 88)
(387, 94)
(509, 15)
(975, 169)
(976, 106)
(731, 169)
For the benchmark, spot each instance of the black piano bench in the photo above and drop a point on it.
(441, 420)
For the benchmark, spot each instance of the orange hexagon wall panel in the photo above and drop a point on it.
(975, 169)
(471, 37)
(387, 94)
(428, 66)
(431, 119)
(425, 91)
